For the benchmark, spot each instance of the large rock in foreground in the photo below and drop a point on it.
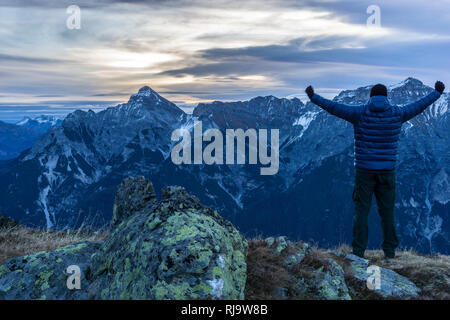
(43, 275)
(174, 249)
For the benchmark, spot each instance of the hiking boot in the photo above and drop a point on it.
(358, 254)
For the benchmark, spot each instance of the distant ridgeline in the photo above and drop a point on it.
(15, 138)
(69, 176)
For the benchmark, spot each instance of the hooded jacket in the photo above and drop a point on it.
(377, 125)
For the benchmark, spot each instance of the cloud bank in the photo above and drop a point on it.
(195, 51)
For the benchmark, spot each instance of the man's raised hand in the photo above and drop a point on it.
(439, 86)
(310, 91)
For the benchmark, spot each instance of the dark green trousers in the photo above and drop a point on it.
(383, 186)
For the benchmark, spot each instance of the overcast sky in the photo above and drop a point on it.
(194, 51)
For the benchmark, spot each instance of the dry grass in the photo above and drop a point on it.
(431, 273)
(266, 272)
(268, 276)
(18, 240)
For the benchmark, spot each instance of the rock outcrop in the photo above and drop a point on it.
(173, 249)
(43, 275)
(392, 285)
(133, 195)
(325, 282)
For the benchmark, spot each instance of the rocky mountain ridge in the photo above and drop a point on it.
(68, 177)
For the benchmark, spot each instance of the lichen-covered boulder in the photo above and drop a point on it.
(133, 195)
(392, 285)
(323, 283)
(296, 253)
(297, 250)
(174, 249)
(279, 243)
(331, 284)
(43, 275)
(299, 254)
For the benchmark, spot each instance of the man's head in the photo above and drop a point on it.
(378, 90)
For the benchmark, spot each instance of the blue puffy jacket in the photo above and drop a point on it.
(377, 126)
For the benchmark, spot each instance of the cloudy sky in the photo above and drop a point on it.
(194, 51)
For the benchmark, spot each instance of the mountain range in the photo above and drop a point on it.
(41, 123)
(68, 178)
(15, 138)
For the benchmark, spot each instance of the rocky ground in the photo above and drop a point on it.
(280, 269)
(177, 248)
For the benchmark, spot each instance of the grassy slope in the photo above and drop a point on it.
(18, 241)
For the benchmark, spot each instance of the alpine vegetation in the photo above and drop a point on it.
(213, 152)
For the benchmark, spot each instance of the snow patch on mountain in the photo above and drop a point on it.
(41, 123)
(43, 202)
(305, 119)
(407, 81)
(50, 164)
(441, 106)
(236, 198)
(440, 187)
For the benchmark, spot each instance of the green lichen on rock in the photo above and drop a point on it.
(2, 270)
(279, 243)
(299, 254)
(42, 275)
(133, 195)
(331, 285)
(174, 249)
(321, 281)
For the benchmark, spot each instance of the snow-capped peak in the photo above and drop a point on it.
(146, 91)
(23, 121)
(41, 123)
(51, 120)
(408, 81)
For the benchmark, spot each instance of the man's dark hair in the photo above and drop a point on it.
(378, 90)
